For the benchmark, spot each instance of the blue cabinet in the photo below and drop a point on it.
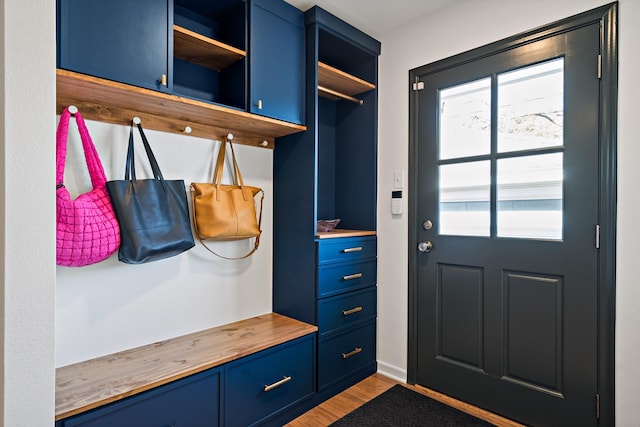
(269, 387)
(346, 249)
(328, 172)
(117, 40)
(276, 60)
(191, 401)
(346, 310)
(339, 278)
(239, 54)
(261, 386)
(345, 353)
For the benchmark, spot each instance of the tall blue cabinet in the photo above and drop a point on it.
(330, 172)
(264, 69)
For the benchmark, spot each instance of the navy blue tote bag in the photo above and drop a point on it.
(153, 214)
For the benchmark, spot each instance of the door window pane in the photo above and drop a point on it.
(530, 197)
(464, 199)
(465, 120)
(530, 107)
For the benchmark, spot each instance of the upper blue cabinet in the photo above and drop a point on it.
(118, 40)
(276, 60)
(244, 55)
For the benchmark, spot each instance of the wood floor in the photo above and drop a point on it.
(345, 402)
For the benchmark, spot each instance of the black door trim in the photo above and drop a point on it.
(606, 16)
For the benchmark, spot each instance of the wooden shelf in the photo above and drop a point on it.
(340, 83)
(339, 232)
(113, 102)
(204, 51)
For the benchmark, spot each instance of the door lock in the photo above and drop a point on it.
(425, 246)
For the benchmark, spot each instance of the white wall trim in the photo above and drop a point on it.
(391, 371)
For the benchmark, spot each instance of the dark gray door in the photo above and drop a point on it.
(507, 218)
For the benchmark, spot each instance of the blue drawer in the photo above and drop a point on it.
(342, 354)
(346, 309)
(191, 401)
(346, 249)
(338, 278)
(269, 382)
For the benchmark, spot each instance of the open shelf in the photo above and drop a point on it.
(198, 49)
(113, 102)
(336, 84)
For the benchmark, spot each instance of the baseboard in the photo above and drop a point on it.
(392, 371)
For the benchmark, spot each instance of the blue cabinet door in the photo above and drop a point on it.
(191, 401)
(346, 249)
(337, 278)
(346, 354)
(270, 382)
(122, 40)
(276, 60)
(346, 310)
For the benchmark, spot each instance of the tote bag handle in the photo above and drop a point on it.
(96, 171)
(130, 165)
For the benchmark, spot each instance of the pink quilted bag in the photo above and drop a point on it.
(87, 230)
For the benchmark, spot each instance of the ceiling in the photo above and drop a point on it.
(375, 17)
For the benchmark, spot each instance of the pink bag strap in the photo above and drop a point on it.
(96, 171)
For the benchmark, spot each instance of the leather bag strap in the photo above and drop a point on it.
(236, 176)
(130, 167)
(96, 171)
(217, 172)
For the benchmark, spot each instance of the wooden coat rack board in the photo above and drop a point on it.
(117, 103)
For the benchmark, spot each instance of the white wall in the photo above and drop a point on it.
(111, 306)
(466, 25)
(27, 253)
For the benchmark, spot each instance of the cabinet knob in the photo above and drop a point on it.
(163, 80)
(259, 104)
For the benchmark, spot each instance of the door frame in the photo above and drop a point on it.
(606, 16)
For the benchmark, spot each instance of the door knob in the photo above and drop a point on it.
(425, 246)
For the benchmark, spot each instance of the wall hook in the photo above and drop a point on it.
(187, 129)
(72, 109)
(136, 120)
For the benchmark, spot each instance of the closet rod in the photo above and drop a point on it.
(340, 95)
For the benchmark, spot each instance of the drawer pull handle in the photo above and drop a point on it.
(277, 384)
(349, 250)
(351, 353)
(353, 310)
(352, 276)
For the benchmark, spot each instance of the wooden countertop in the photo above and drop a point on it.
(96, 382)
(340, 232)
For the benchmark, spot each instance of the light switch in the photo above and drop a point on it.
(398, 180)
